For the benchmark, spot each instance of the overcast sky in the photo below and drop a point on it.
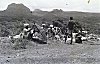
(68, 5)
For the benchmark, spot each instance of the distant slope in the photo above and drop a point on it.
(11, 19)
(16, 10)
(86, 19)
(38, 12)
(66, 14)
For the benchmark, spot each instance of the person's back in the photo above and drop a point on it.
(35, 28)
(71, 28)
(71, 25)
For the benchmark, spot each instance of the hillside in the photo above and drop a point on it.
(80, 16)
(38, 12)
(55, 51)
(88, 20)
(16, 14)
(16, 10)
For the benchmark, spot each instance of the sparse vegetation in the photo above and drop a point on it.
(11, 24)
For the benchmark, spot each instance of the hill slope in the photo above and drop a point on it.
(12, 18)
(16, 10)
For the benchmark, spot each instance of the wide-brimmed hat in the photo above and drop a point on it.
(51, 25)
(26, 24)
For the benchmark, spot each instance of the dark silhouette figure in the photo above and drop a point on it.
(71, 27)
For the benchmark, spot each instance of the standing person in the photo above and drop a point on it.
(71, 28)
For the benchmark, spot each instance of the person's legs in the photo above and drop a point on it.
(71, 37)
(65, 39)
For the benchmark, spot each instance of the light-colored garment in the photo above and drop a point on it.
(26, 32)
(27, 29)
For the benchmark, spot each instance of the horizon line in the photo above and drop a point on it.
(60, 9)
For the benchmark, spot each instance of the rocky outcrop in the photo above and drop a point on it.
(18, 10)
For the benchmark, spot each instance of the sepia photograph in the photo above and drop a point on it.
(49, 31)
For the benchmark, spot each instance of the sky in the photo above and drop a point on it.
(66, 5)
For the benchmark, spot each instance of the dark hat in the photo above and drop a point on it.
(71, 18)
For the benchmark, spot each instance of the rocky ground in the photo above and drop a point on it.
(54, 52)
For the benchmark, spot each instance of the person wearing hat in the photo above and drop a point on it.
(50, 32)
(43, 25)
(26, 30)
(34, 30)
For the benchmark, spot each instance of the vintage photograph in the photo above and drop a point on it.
(49, 31)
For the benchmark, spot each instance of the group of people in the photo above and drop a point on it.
(54, 31)
(58, 31)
